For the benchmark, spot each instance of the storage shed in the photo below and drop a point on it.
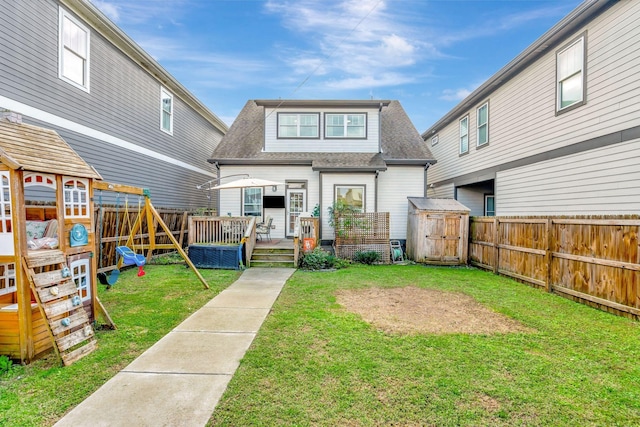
(437, 231)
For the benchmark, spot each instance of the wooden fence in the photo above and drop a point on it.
(359, 232)
(114, 226)
(592, 259)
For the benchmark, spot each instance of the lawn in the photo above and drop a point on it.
(143, 308)
(315, 363)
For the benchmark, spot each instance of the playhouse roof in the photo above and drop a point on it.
(37, 149)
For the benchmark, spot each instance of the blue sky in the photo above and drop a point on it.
(427, 54)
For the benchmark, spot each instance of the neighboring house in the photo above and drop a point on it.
(557, 130)
(365, 152)
(66, 67)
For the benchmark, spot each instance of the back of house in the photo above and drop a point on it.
(65, 66)
(557, 130)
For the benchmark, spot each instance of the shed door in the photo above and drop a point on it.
(442, 238)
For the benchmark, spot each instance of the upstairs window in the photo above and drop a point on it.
(483, 124)
(166, 111)
(570, 65)
(345, 126)
(73, 61)
(464, 135)
(292, 125)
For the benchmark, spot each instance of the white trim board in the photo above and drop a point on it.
(52, 119)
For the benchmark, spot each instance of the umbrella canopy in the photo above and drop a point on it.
(248, 182)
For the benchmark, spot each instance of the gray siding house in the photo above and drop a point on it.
(67, 67)
(557, 130)
(364, 152)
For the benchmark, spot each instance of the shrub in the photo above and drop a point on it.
(6, 365)
(319, 259)
(366, 257)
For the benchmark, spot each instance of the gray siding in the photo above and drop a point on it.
(123, 102)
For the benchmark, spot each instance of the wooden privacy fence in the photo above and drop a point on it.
(593, 259)
(114, 225)
(360, 232)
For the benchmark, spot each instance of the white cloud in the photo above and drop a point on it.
(455, 94)
(111, 10)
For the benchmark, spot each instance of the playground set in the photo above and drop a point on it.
(48, 257)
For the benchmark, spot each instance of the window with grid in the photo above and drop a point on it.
(293, 125)
(74, 51)
(464, 135)
(76, 198)
(345, 126)
(80, 275)
(570, 75)
(7, 278)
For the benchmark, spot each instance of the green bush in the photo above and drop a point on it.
(6, 365)
(366, 257)
(319, 259)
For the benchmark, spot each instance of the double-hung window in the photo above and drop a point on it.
(464, 135)
(345, 125)
(73, 60)
(570, 65)
(252, 201)
(166, 111)
(482, 116)
(293, 125)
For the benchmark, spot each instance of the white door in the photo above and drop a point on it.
(296, 204)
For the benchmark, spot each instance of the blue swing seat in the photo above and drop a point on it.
(129, 257)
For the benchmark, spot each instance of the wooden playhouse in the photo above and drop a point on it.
(47, 268)
(437, 231)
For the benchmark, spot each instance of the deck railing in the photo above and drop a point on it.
(249, 240)
(218, 230)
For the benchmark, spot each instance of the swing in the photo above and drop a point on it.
(112, 278)
(129, 257)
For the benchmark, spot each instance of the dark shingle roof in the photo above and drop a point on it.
(400, 141)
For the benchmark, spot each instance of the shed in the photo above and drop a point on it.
(437, 231)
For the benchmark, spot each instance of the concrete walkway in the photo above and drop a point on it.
(180, 379)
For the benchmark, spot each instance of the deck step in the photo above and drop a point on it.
(273, 257)
(272, 264)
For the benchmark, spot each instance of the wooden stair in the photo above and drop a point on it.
(60, 304)
(273, 257)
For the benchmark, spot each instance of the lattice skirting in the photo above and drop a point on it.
(349, 251)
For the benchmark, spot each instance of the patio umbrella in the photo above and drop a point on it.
(248, 182)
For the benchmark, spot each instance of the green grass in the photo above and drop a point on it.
(143, 308)
(315, 364)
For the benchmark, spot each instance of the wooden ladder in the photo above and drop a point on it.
(60, 304)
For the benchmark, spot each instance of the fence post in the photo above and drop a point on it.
(549, 254)
(496, 250)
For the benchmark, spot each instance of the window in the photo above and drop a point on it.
(298, 125)
(166, 111)
(345, 126)
(483, 124)
(434, 140)
(252, 201)
(7, 279)
(570, 75)
(73, 61)
(464, 135)
(76, 198)
(489, 205)
(80, 275)
(352, 195)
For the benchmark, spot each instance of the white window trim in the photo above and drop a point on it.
(298, 136)
(76, 200)
(434, 140)
(479, 125)
(82, 279)
(164, 93)
(460, 135)
(244, 213)
(345, 126)
(579, 40)
(8, 279)
(64, 14)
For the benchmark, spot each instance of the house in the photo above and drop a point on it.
(67, 67)
(557, 130)
(366, 153)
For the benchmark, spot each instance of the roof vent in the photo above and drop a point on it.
(12, 116)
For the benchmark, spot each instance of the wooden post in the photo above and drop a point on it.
(496, 249)
(549, 254)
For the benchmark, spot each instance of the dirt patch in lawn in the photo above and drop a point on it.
(416, 310)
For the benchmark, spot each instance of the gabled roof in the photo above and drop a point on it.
(400, 141)
(582, 14)
(37, 149)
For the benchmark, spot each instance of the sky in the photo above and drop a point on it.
(427, 54)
